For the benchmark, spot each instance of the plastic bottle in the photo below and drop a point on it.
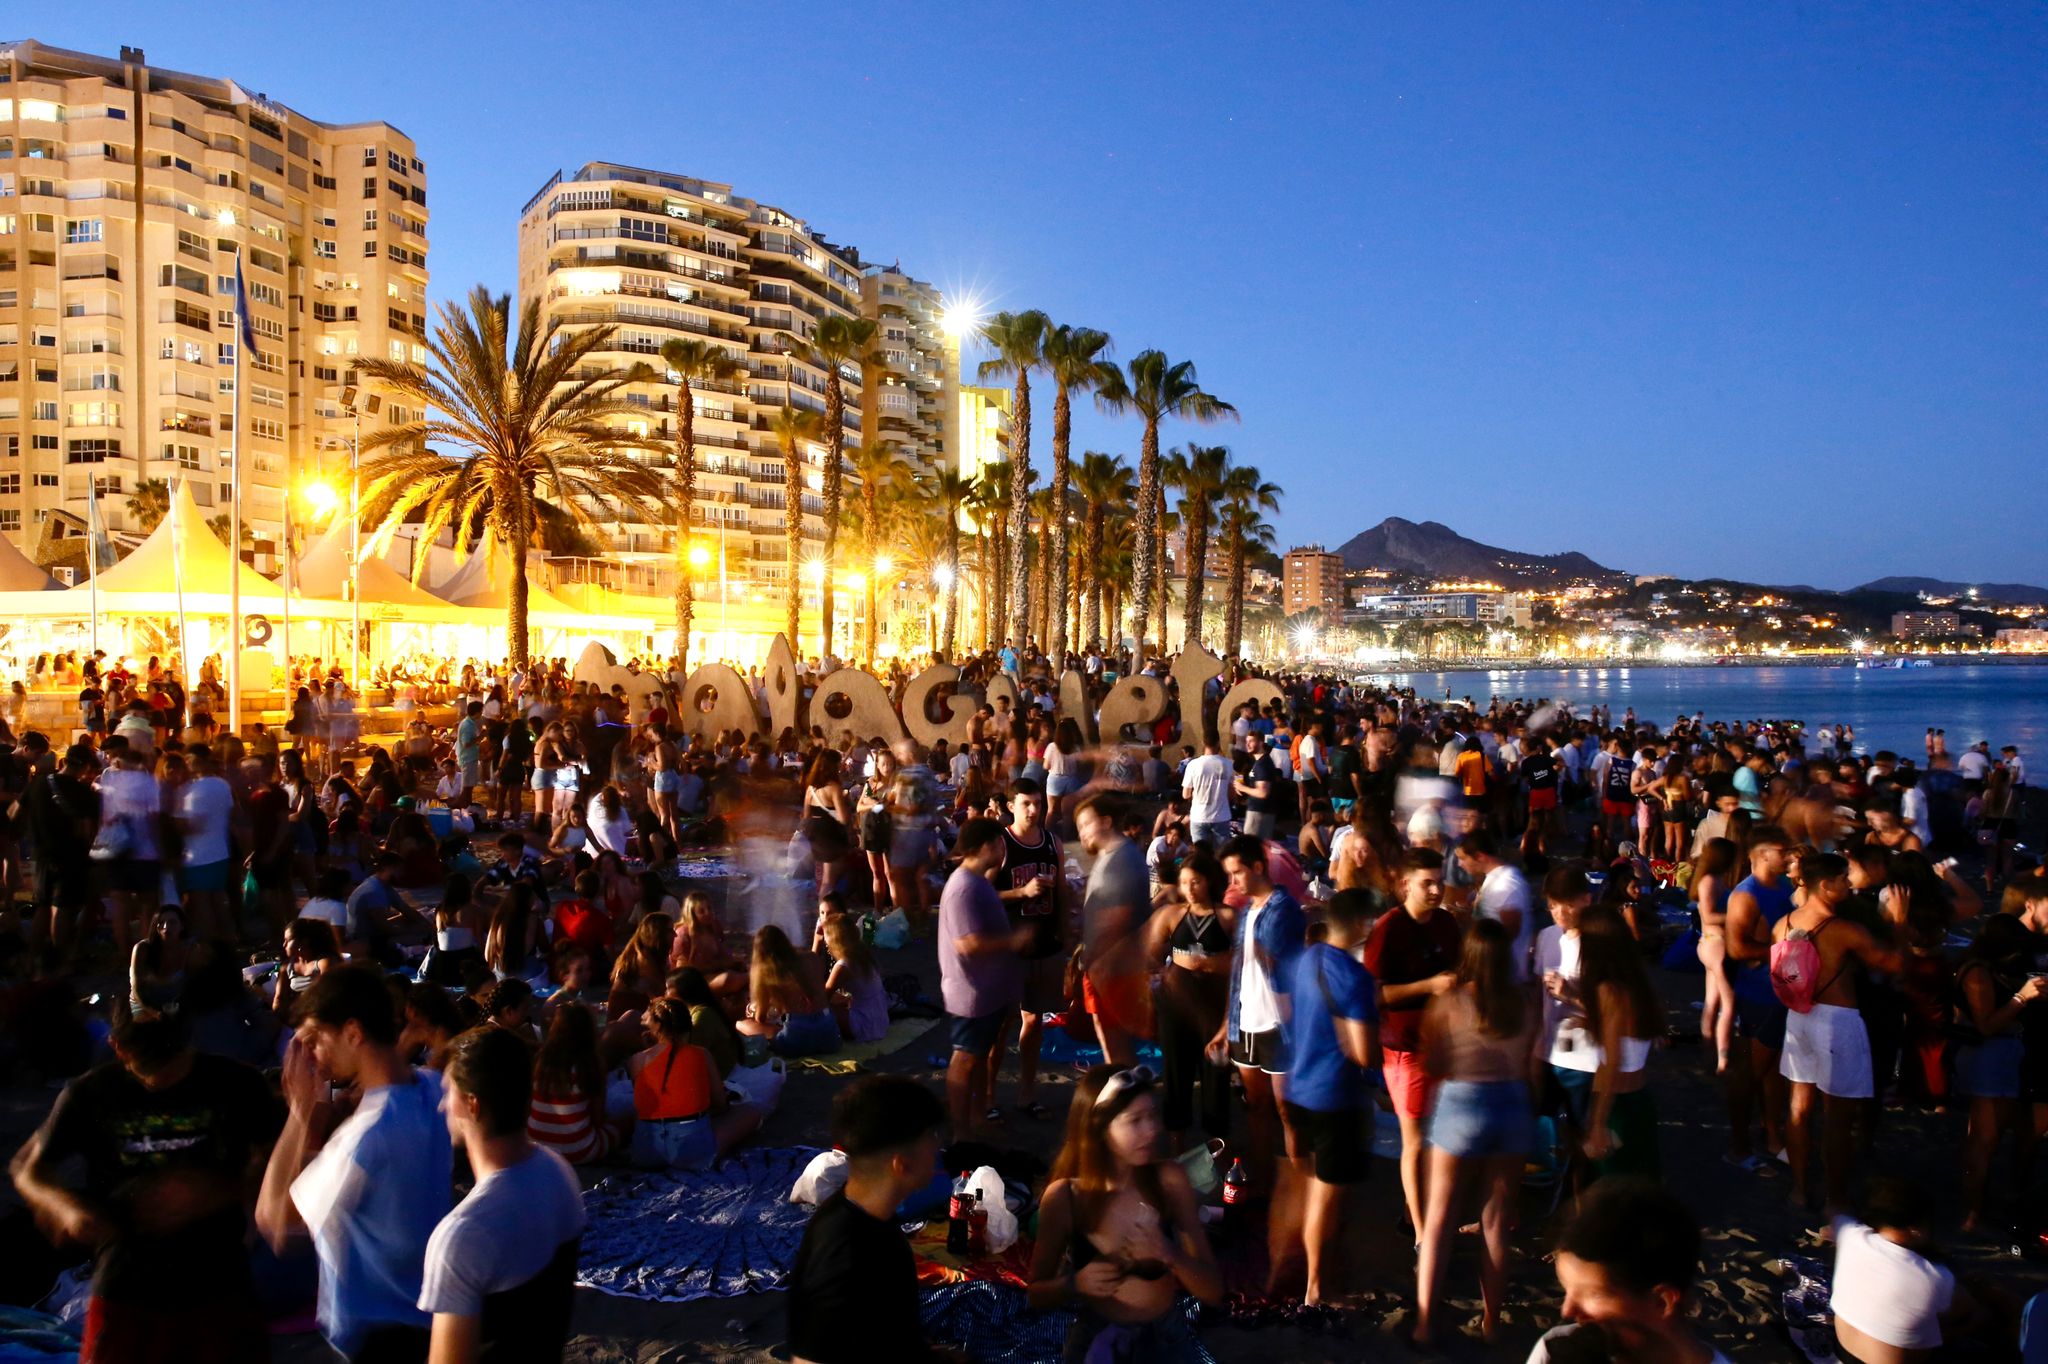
(1235, 1198)
(867, 927)
(956, 1216)
(977, 1226)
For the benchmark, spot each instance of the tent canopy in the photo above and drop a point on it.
(323, 572)
(183, 552)
(485, 579)
(18, 573)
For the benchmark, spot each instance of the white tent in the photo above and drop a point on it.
(182, 553)
(484, 580)
(18, 573)
(323, 573)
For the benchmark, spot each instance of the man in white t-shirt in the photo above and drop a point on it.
(1627, 1261)
(1503, 893)
(500, 1270)
(1206, 783)
(206, 810)
(373, 1192)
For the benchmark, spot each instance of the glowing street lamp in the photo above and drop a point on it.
(320, 498)
(943, 576)
(699, 556)
(883, 566)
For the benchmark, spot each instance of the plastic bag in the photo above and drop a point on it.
(759, 1085)
(1002, 1223)
(893, 931)
(823, 1177)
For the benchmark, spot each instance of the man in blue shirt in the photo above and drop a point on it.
(1332, 1042)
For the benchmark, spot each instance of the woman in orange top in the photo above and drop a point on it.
(684, 1121)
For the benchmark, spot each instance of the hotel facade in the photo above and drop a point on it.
(127, 194)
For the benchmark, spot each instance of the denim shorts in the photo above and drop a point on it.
(1481, 1118)
(674, 1144)
(977, 1035)
(1990, 1069)
(204, 878)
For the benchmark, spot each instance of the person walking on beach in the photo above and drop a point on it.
(981, 975)
(1755, 906)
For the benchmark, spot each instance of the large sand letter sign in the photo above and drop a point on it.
(1132, 701)
(924, 726)
(715, 699)
(866, 710)
(784, 687)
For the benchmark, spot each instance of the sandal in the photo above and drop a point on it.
(994, 1115)
(1037, 1111)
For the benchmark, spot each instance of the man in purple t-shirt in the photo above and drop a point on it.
(981, 976)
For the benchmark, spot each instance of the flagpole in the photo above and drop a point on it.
(92, 559)
(242, 338)
(178, 583)
(287, 587)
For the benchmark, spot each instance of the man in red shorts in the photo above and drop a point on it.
(1413, 954)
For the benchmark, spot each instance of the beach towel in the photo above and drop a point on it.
(994, 1323)
(678, 1237)
(1058, 1049)
(902, 1032)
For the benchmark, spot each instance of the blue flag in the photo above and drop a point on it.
(242, 308)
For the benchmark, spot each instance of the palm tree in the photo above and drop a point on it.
(1104, 481)
(1074, 358)
(948, 491)
(836, 343)
(1201, 473)
(1155, 388)
(532, 416)
(879, 469)
(690, 362)
(1246, 499)
(150, 503)
(987, 507)
(790, 425)
(1018, 340)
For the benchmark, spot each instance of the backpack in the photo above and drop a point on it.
(1795, 966)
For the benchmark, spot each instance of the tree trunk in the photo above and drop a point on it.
(1159, 561)
(835, 443)
(792, 546)
(1147, 549)
(1071, 607)
(1020, 506)
(949, 605)
(1195, 530)
(997, 584)
(686, 505)
(520, 536)
(1093, 627)
(1233, 623)
(1062, 474)
(869, 509)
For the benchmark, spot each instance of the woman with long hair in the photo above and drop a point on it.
(700, 944)
(1478, 1043)
(640, 970)
(1713, 876)
(1625, 1019)
(1996, 984)
(512, 945)
(875, 827)
(1119, 1228)
(156, 969)
(827, 817)
(854, 984)
(786, 1000)
(682, 1119)
(310, 948)
(567, 1114)
(1062, 771)
(611, 825)
(1190, 943)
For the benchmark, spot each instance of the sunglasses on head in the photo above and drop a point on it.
(1137, 1077)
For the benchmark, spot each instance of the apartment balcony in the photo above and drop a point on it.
(189, 423)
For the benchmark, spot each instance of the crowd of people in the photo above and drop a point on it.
(1344, 900)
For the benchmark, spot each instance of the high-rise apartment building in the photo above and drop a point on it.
(984, 428)
(127, 193)
(1312, 579)
(660, 256)
(911, 388)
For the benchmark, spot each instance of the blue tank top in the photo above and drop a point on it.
(1774, 901)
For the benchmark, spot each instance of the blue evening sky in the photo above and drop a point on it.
(1741, 289)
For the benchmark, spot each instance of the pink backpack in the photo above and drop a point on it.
(1795, 968)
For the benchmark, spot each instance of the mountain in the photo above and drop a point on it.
(1430, 549)
(2015, 594)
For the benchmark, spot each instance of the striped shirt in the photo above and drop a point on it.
(563, 1121)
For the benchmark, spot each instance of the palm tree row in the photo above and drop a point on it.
(543, 450)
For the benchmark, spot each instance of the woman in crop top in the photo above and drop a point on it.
(1479, 1042)
(683, 1121)
(1624, 1018)
(1119, 1232)
(1712, 878)
(1191, 940)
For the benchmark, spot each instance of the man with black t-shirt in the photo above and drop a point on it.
(62, 813)
(170, 1139)
(1539, 776)
(853, 1289)
(1033, 887)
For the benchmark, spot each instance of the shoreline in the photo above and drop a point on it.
(1845, 662)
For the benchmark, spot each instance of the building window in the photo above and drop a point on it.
(369, 220)
(10, 485)
(369, 156)
(369, 187)
(10, 519)
(370, 248)
(42, 442)
(96, 451)
(184, 456)
(45, 480)
(81, 231)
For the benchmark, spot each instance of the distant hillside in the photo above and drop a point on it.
(2015, 594)
(1430, 549)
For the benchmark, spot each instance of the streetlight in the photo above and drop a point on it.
(350, 404)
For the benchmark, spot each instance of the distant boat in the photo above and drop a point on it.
(1871, 661)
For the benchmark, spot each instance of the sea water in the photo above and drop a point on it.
(1888, 708)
